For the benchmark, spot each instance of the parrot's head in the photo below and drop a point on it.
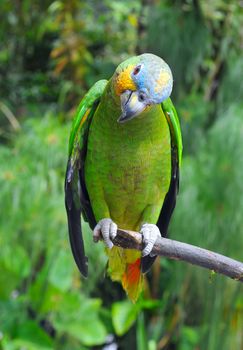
(141, 82)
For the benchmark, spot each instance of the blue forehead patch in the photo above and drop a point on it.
(148, 79)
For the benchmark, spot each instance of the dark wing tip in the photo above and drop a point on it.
(74, 222)
(76, 240)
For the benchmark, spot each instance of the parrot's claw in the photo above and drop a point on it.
(107, 230)
(150, 234)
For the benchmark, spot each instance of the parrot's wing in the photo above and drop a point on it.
(176, 155)
(76, 195)
(175, 129)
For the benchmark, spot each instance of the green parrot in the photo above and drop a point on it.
(125, 151)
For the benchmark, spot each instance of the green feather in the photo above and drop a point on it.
(174, 124)
(87, 102)
(77, 147)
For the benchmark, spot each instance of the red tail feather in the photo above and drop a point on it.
(132, 280)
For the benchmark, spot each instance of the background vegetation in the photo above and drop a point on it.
(51, 52)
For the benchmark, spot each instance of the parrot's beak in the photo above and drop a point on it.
(132, 104)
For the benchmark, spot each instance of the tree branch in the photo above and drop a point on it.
(185, 252)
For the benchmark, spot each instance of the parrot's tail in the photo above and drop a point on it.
(132, 280)
(125, 267)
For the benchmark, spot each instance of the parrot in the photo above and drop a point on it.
(124, 160)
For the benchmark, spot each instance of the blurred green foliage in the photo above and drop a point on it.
(51, 52)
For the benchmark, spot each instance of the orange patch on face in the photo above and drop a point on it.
(124, 81)
(162, 80)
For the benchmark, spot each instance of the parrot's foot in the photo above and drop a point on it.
(150, 234)
(105, 229)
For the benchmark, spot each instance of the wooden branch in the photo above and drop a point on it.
(185, 252)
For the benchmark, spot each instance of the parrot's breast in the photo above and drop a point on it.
(128, 166)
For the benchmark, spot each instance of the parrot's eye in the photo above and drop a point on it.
(141, 97)
(137, 70)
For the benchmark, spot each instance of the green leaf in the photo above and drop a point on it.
(142, 343)
(89, 331)
(30, 336)
(79, 317)
(190, 338)
(61, 272)
(152, 345)
(17, 262)
(8, 282)
(14, 266)
(150, 304)
(124, 314)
